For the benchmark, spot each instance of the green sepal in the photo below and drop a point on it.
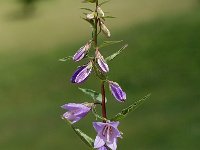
(108, 43)
(111, 57)
(111, 17)
(97, 97)
(129, 109)
(84, 137)
(66, 58)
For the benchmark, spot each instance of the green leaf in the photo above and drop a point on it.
(89, 1)
(104, 2)
(108, 17)
(97, 97)
(87, 9)
(84, 137)
(109, 58)
(129, 109)
(66, 58)
(108, 43)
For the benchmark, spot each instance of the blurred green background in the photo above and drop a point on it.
(163, 58)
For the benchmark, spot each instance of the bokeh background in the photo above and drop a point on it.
(163, 58)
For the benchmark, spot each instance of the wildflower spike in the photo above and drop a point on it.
(82, 73)
(75, 111)
(117, 91)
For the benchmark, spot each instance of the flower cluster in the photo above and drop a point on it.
(107, 131)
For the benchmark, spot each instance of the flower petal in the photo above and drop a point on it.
(75, 111)
(98, 126)
(99, 142)
(112, 145)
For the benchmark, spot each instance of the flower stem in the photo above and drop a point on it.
(96, 25)
(103, 101)
(102, 84)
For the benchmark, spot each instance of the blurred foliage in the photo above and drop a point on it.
(28, 6)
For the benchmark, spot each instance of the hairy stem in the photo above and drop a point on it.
(102, 84)
(96, 26)
(103, 101)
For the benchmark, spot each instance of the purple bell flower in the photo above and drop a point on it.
(107, 134)
(101, 62)
(75, 111)
(82, 73)
(80, 54)
(117, 91)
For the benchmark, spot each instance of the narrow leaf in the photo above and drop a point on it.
(89, 1)
(104, 2)
(108, 43)
(87, 9)
(109, 17)
(97, 97)
(109, 58)
(129, 109)
(66, 58)
(84, 137)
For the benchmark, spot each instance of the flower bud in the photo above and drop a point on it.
(117, 91)
(100, 11)
(105, 30)
(91, 16)
(80, 54)
(75, 111)
(101, 62)
(82, 73)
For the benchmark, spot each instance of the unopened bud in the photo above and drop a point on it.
(101, 62)
(105, 30)
(80, 54)
(100, 11)
(82, 73)
(117, 91)
(91, 16)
